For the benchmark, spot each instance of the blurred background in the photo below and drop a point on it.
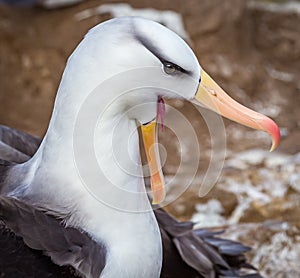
(251, 48)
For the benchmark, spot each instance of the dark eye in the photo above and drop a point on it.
(169, 68)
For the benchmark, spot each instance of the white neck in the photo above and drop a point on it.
(108, 202)
(76, 173)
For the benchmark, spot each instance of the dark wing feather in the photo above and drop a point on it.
(10, 154)
(41, 231)
(18, 260)
(198, 253)
(17, 146)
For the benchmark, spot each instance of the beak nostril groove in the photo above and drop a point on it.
(213, 92)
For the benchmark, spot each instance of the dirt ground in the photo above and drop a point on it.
(252, 53)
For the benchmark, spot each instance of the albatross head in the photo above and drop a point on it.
(147, 62)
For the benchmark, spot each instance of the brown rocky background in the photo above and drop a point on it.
(252, 51)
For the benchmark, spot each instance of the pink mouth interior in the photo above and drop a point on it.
(161, 110)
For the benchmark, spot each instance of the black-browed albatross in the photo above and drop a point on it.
(89, 209)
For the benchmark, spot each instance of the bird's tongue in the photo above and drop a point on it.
(161, 110)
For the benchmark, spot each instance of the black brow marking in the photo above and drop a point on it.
(156, 52)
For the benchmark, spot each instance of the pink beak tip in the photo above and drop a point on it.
(274, 132)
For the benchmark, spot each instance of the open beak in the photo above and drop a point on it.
(213, 97)
(151, 148)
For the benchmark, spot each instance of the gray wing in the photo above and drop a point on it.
(199, 253)
(18, 260)
(17, 146)
(40, 230)
(65, 245)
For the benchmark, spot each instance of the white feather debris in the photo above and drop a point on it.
(275, 246)
(236, 164)
(209, 214)
(251, 157)
(280, 75)
(275, 160)
(238, 213)
(254, 157)
(170, 19)
(286, 8)
(276, 174)
(265, 177)
(295, 182)
(246, 190)
(281, 253)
